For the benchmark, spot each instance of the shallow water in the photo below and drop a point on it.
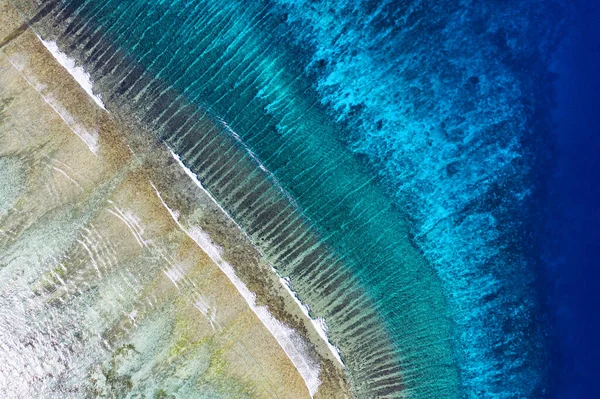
(382, 155)
(106, 290)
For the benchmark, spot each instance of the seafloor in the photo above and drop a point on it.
(385, 160)
(118, 274)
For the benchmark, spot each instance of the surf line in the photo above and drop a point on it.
(287, 338)
(319, 324)
(78, 73)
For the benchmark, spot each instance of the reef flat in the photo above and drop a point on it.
(382, 156)
(119, 276)
(278, 169)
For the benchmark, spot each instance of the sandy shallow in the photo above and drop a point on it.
(117, 272)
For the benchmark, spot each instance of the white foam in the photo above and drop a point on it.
(289, 340)
(90, 138)
(175, 274)
(131, 221)
(194, 178)
(252, 155)
(319, 323)
(78, 73)
(208, 308)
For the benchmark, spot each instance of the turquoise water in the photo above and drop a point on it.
(379, 153)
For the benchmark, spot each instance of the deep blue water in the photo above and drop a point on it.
(574, 218)
(433, 166)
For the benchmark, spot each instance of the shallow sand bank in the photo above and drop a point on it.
(102, 290)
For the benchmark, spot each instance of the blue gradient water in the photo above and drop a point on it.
(574, 214)
(409, 149)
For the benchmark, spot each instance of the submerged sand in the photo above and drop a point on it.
(119, 276)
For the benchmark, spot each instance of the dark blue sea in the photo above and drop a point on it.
(573, 235)
(424, 172)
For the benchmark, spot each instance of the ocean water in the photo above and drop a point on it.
(390, 158)
(571, 253)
